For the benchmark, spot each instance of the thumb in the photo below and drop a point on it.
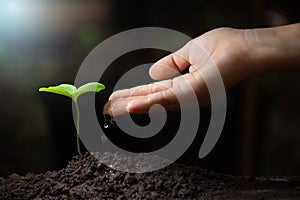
(170, 65)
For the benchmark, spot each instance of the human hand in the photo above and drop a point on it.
(235, 54)
(225, 48)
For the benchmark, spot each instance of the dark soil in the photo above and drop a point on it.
(86, 178)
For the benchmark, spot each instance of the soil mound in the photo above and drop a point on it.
(86, 178)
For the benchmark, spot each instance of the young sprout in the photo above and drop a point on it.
(72, 92)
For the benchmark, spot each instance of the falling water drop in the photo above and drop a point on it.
(104, 118)
(111, 121)
(105, 125)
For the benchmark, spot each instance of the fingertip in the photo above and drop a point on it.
(168, 66)
(160, 71)
(107, 109)
(154, 72)
(112, 96)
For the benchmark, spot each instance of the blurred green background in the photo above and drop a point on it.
(43, 42)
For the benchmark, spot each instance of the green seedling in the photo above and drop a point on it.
(72, 92)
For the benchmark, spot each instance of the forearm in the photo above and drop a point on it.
(273, 49)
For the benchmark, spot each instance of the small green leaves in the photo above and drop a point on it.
(71, 91)
(62, 89)
(89, 87)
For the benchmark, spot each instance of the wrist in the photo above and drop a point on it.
(272, 49)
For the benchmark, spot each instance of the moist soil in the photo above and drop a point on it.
(87, 178)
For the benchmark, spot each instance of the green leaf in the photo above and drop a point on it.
(89, 87)
(62, 89)
(71, 91)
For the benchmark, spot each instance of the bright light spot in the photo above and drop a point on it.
(13, 7)
(13, 17)
(32, 18)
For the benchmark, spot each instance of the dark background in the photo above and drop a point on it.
(44, 42)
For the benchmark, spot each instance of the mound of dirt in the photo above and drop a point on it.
(86, 178)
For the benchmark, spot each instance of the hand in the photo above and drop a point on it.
(236, 54)
(225, 48)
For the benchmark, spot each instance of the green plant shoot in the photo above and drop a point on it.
(72, 92)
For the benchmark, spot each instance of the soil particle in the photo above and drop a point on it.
(86, 178)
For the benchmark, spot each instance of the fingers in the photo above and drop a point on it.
(132, 100)
(170, 65)
(142, 90)
(142, 104)
(167, 93)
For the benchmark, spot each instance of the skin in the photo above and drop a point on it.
(237, 54)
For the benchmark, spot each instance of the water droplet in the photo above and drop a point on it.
(104, 116)
(112, 121)
(105, 125)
